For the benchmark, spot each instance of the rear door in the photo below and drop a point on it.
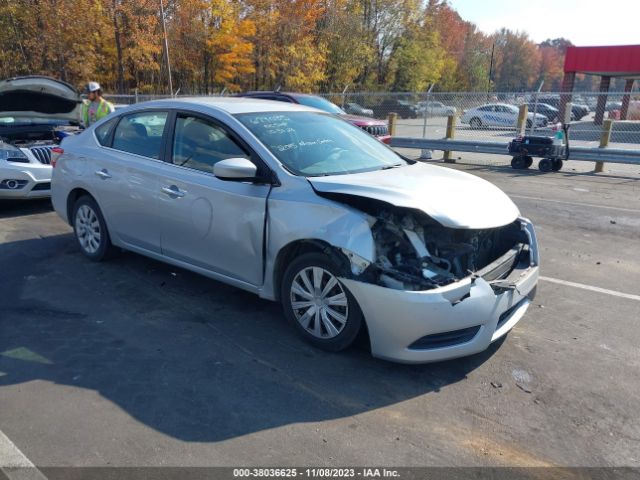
(125, 178)
(210, 223)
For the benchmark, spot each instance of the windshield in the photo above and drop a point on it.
(320, 103)
(314, 144)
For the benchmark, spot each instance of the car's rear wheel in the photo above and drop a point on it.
(475, 122)
(319, 306)
(90, 229)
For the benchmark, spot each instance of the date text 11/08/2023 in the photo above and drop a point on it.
(315, 472)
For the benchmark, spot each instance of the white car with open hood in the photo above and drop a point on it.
(299, 206)
(35, 114)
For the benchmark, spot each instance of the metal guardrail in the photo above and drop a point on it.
(610, 155)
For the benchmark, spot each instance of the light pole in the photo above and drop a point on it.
(166, 47)
(493, 47)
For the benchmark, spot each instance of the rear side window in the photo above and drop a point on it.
(102, 132)
(141, 133)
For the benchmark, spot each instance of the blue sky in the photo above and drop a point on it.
(585, 23)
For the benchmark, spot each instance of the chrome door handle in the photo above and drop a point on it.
(173, 191)
(103, 173)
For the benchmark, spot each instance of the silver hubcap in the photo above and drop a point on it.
(88, 229)
(319, 302)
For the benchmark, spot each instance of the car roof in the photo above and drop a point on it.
(496, 105)
(230, 105)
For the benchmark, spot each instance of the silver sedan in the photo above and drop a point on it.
(301, 207)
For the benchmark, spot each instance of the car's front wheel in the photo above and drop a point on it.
(320, 307)
(475, 123)
(90, 229)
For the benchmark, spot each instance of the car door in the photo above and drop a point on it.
(207, 222)
(502, 115)
(125, 179)
(489, 115)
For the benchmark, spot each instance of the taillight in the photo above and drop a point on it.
(55, 154)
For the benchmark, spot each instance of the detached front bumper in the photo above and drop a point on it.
(448, 322)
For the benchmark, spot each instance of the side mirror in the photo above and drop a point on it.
(235, 169)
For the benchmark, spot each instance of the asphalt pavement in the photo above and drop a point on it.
(137, 363)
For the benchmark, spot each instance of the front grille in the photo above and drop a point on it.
(42, 186)
(42, 154)
(445, 339)
(376, 130)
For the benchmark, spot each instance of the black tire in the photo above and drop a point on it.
(518, 163)
(545, 165)
(323, 338)
(96, 250)
(529, 123)
(528, 161)
(557, 165)
(475, 123)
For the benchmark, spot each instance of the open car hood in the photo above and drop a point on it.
(452, 198)
(37, 96)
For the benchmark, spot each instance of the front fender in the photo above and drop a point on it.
(314, 218)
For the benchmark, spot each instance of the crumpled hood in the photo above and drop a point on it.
(38, 96)
(454, 199)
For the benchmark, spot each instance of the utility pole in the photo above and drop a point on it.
(166, 47)
(493, 47)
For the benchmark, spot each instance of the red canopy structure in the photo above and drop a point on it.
(607, 62)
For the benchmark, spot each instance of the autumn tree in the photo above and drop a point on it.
(345, 38)
(289, 51)
(417, 60)
(517, 61)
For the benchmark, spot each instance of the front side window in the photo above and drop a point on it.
(317, 144)
(141, 133)
(200, 144)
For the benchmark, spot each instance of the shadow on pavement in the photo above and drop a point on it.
(20, 208)
(184, 355)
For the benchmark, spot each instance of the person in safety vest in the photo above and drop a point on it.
(97, 107)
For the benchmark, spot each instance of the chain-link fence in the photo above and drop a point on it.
(487, 116)
(494, 116)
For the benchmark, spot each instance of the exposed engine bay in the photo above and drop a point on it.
(413, 252)
(26, 136)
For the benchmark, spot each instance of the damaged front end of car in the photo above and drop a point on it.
(434, 292)
(413, 252)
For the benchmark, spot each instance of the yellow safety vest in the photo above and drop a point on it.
(104, 109)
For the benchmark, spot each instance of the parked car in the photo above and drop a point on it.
(548, 111)
(403, 108)
(296, 205)
(610, 106)
(435, 109)
(378, 129)
(35, 114)
(353, 108)
(578, 110)
(499, 115)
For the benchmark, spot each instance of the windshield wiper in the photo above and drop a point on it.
(388, 167)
